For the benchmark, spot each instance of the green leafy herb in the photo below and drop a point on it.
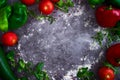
(111, 35)
(85, 74)
(23, 78)
(41, 17)
(99, 37)
(64, 5)
(11, 58)
(39, 73)
(27, 68)
(39, 66)
(21, 65)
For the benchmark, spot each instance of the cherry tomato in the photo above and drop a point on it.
(113, 55)
(46, 7)
(107, 16)
(55, 1)
(9, 39)
(106, 73)
(28, 2)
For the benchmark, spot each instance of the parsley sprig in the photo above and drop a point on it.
(85, 74)
(64, 5)
(110, 35)
(27, 68)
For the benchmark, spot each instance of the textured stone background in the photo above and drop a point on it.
(63, 46)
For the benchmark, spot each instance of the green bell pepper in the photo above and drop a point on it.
(4, 15)
(18, 17)
(3, 3)
(5, 70)
(115, 2)
(95, 2)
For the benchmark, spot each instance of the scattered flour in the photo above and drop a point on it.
(71, 75)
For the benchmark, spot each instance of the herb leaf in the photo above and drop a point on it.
(11, 58)
(39, 73)
(84, 74)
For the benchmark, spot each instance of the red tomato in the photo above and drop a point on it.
(113, 55)
(46, 7)
(9, 39)
(55, 1)
(106, 73)
(28, 2)
(107, 17)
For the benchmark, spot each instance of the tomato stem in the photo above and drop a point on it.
(109, 8)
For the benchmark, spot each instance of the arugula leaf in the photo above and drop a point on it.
(85, 74)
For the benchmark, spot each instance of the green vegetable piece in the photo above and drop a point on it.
(70, 3)
(4, 15)
(3, 3)
(39, 66)
(60, 3)
(18, 17)
(11, 55)
(22, 63)
(95, 2)
(117, 32)
(5, 70)
(84, 74)
(116, 3)
(23, 78)
(39, 73)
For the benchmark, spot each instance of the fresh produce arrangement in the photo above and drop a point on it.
(15, 16)
(107, 16)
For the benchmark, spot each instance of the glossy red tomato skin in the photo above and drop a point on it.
(28, 2)
(46, 7)
(55, 1)
(113, 54)
(9, 39)
(107, 18)
(106, 73)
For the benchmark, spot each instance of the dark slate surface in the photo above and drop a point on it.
(63, 46)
